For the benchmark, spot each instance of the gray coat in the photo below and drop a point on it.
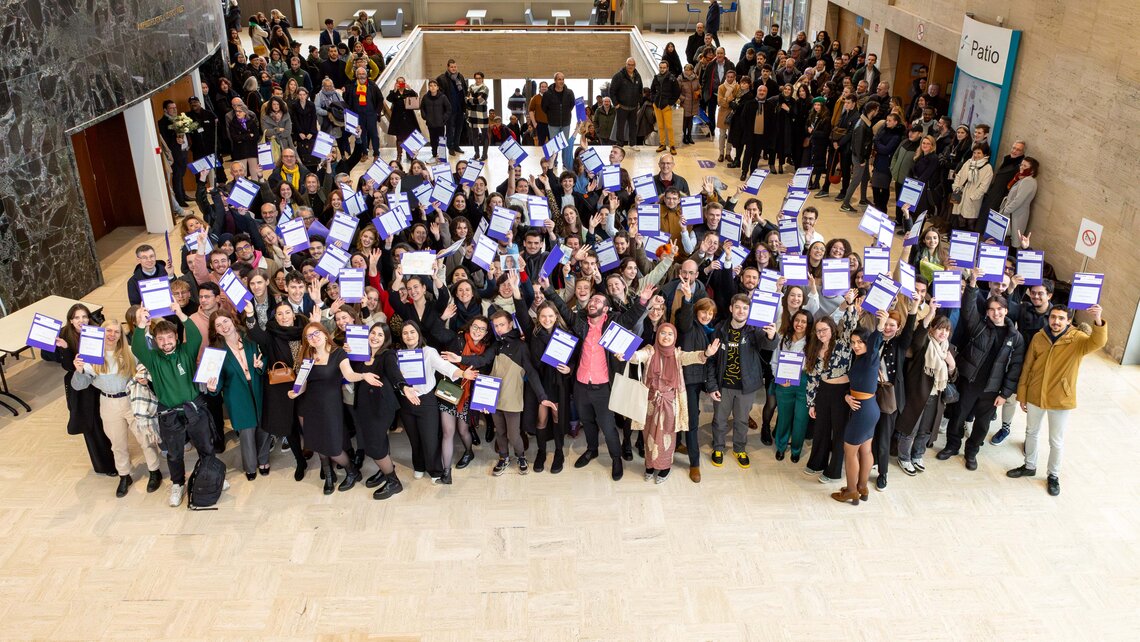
(1016, 205)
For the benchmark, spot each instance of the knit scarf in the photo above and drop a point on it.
(935, 365)
(291, 175)
(470, 348)
(663, 372)
(362, 93)
(1018, 176)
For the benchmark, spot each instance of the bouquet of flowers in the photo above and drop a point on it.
(183, 124)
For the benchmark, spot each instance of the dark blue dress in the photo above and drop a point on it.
(864, 376)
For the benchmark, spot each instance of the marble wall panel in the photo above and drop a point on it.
(68, 63)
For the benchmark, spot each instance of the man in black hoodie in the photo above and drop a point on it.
(149, 267)
(625, 91)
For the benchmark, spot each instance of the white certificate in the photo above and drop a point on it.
(442, 192)
(764, 309)
(351, 281)
(755, 181)
(560, 348)
(331, 261)
(691, 210)
(351, 121)
(991, 262)
(790, 235)
(485, 251)
(44, 331)
(886, 232)
(356, 341)
(210, 367)
(795, 269)
(294, 235)
(794, 203)
(881, 295)
(390, 222)
(322, 145)
(947, 289)
(876, 261)
(768, 280)
(645, 188)
(485, 393)
(730, 223)
(1086, 290)
(156, 296)
(243, 193)
(836, 276)
(342, 230)
(91, 344)
(513, 151)
(538, 209)
(789, 365)
(801, 178)
(648, 219)
(906, 278)
(302, 375)
(501, 221)
(234, 290)
(871, 221)
(413, 143)
(911, 191)
(471, 172)
(422, 192)
(997, 226)
(265, 155)
(1030, 266)
(592, 161)
(608, 257)
(417, 263)
(611, 178)
(963, 248)
(412, 366)
(378, 172)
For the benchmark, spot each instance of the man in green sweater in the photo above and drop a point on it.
(182, 412)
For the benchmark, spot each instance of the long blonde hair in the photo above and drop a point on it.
(121, 354)
(933, 145)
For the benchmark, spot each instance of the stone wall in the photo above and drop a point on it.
(68, 63)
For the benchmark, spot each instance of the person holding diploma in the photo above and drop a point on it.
(928, 372)
(182, 412)
(791, 399)
(472, 340)
(555, 381)
(82, 404)
(827, 362)
(110, 379)
(280, 343)
(592, 380)
(897, 331)
(972, 183)
(321, 407)
(421, 417)
(240, 385)
(694, 318)
(668, 409)
(376, 409)
(738, 376)
(1048, 385)
(864, 380)
(991, 365)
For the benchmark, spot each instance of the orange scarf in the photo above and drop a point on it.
(362, 93)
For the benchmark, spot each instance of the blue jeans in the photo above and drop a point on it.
(369, 133)
(568, 151)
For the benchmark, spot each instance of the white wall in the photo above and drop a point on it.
(149, 169)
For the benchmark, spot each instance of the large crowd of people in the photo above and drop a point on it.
(426, 299)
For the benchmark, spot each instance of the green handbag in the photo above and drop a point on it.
(449, 391)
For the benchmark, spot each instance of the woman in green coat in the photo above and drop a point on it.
(240, 384)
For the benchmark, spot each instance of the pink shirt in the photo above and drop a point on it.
(592, 366)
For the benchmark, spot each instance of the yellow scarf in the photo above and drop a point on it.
(293, 176)
(362, 93)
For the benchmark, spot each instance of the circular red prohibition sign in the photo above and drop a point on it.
(1089, 238)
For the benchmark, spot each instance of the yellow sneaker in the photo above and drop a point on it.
(742, 459)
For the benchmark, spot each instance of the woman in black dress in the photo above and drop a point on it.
(376, 409)
(82, 405)
(320, 408)
(280, 342)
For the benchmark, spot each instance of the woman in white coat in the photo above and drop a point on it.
(972, 180)
(1016, 204)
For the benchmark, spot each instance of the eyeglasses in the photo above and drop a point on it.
(314, 334)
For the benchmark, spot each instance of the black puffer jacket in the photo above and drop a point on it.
(625, 92)
(1006, 370)
(751, 371)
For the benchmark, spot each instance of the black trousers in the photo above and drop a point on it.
(880, 196)
(625, 127)
(178, 173)
(979, 404)
(422, 425)
(188, 422)
(881, 444)
(754, 148)
(594, 413)
(827, 435)
(692, 442)
(434, 134)
(218, 428)
(844, 169)
(710, 111)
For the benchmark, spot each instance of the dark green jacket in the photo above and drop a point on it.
(172, 374)
(243, 398)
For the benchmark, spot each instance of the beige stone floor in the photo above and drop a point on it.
(747, 554)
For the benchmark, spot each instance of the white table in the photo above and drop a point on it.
(560, 16)
(668, 9)
(474, 15)
(14, 332)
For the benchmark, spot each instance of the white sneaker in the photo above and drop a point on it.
(918, 465)
(419, 474)
(824, 479)
(635, 148)
(908, 468)
(225, 485)
(176, 493)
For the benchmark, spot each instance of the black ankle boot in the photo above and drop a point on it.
(540, 461)
(559, 460)
(391, 488)
(351, 476)
(330, 477)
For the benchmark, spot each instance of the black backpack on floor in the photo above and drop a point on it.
(205, 485)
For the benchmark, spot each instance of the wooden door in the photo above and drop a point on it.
(107, 176)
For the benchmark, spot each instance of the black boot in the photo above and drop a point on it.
(155, 481)
(330, 477)
(125, 482)
(351, 476)
(376, 480)
(540, 460)
(299, 474)
(559, 460)
(391, 488)
(766, 435)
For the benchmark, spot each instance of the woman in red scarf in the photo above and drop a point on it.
(668, 407)
(473, 340)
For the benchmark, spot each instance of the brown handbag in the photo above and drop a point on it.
(885, 395)
(281, 373)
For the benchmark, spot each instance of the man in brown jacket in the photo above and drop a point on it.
(1048, 385)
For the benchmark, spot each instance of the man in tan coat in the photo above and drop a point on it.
(1048, 385)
